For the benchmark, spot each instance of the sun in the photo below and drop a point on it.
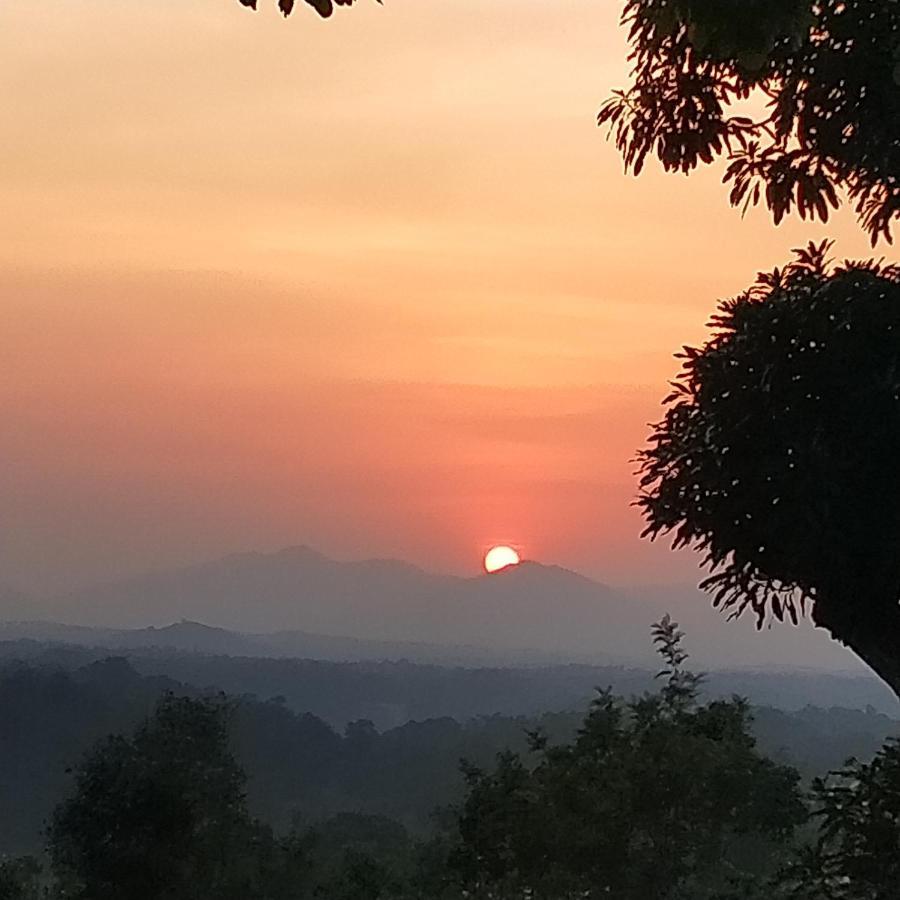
(498, 558)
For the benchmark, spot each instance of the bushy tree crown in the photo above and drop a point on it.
(777, 456)
(654, 798)
(856, 855)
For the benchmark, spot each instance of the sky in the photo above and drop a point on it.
(376, 284)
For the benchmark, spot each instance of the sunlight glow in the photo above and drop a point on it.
(498, 558)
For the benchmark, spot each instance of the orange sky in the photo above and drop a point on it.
(375, 284)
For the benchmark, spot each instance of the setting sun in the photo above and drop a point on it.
(498, 558)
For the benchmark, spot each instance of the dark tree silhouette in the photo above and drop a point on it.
(323, 7)
(777, 457)
(856, 854)
(20, 879)
(163, 814)
(830, 72)
(634, 808)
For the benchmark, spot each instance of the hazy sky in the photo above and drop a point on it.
(375, 284)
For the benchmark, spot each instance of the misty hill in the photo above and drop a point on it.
(390, 693)
(191, 637)
(299, 765)
(195, 637)
(298, 589)
(543, 612)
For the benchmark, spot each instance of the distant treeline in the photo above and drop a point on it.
(300, 768)
(390, 693)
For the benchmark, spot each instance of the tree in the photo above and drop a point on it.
(857, 853)
(777, 456)
(655, 799)
(20, 879)
(323, 7)
(830, 73)
(360, 857)
(163, 814)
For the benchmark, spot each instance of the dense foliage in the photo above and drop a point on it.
(777, 454)
(828, 71)
(635, 806)
(302, 770)
(659, 798)
(857, 854)
(20, 879)
(164, 811)
(163, 814)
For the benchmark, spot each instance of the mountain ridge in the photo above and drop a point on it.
(197, 637)
(546, 611)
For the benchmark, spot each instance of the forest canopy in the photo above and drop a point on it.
(628, 801)
(829, 73)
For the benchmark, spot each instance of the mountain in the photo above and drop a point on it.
(298, 589)
(191, 637)
(336, 648)
(196, 638)
(392, 692)
(295, 588)
(528, 611)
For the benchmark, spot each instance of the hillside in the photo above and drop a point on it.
(297, 602)
(303, 769)
(393, 692)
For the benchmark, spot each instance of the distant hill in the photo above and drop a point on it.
(191, 637)
(392, 692)
(300, 766)
(385, 609)
(297, 589)
(195, 637)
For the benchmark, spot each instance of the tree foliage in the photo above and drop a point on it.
(323, 7)
(163, 814)
(829, 71)
(658, 798)
(777, 454)
(857, 853)
(300, 771)
(20, 879)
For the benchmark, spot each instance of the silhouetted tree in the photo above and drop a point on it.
(162, 814)
(857, 854)
(829, 70)
(323, 7)
(300, 771)
(777, 457)
(20, 879)
(658, 798)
